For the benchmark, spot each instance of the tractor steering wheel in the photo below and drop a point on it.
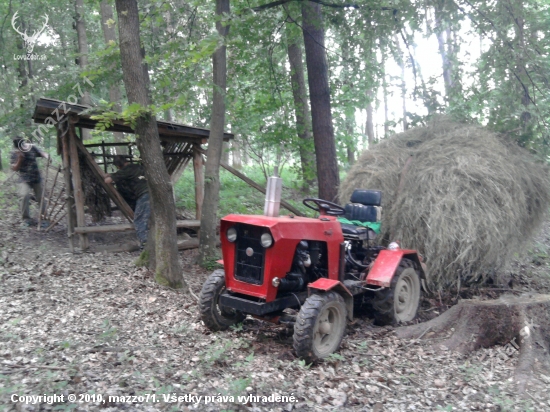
(324, 207)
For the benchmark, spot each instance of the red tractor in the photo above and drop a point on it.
(318, 266)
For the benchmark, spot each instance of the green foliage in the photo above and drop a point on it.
(212, 264)
(217, 353)
(302, 364)
(236, 196)
(109, 331)
(505, 87)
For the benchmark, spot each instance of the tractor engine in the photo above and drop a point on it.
(309, 264)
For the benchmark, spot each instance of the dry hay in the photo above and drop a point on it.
(467, 199)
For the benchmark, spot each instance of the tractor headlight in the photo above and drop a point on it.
(266, 240)
(231, 234)
(393, 246)
(276, 282)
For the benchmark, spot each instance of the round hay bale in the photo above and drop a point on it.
(467, 199)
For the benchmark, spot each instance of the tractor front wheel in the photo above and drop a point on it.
(214, 316)
(399, 303)
(320, 326)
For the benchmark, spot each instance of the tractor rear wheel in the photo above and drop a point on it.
(214, 316)
(398, 303)
(320, 326)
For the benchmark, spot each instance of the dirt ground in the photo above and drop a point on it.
(96, 331)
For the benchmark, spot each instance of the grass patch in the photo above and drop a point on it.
(236, 196)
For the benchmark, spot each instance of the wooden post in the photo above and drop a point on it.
(54, 215)
(77, 184)
(50, 197)
(71, 220)
(199, 181)
(111, 191)
(104, 158)
(41, 214)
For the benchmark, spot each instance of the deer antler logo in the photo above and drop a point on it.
(30, 41)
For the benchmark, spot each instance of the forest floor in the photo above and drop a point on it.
(94, 326)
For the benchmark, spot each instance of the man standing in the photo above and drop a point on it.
(23, 161)
(131, 183)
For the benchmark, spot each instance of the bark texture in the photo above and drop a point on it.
(80, 27)
(301, 108)
(521, 322)
(162, 240)
(319, 93)
(209, 220)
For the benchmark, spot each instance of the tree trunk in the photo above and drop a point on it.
(162, 241)
(404, 97)
(301, 109)
(225, 152)
(401, 63)
(385, 93)
(439, 32)
(82, 53)
(518, 323)
(351, 144)
(521, 70)
(21, 66)
(109, 35)
(323, 131)
(370, 122)
(209, 219)
(237, 157)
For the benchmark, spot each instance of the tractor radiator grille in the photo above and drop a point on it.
(249, 266)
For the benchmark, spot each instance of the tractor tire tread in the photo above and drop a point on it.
(213, 285)
(305, 323)
(382, 303)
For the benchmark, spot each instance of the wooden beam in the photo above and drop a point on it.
(77, 184)
(41, 211)
(199, 181)
(50, 197)
(100, 175)
(168, 131)
(188, 244)
(71, 220)
(190, 224)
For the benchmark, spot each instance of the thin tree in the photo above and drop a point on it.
(319, 94)
(109, 35)
(209, 220)
(369, 126)
(80, 27)
(401, 62)
(162, 242)
(301, 106)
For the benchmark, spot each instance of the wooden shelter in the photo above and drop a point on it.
(180, 143)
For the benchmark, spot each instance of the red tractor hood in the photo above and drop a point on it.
(287, 232)
(293, 227)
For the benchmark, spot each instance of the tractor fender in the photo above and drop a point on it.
(387, 262)
(323, 285)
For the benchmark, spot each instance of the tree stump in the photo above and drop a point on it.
(521, 321)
